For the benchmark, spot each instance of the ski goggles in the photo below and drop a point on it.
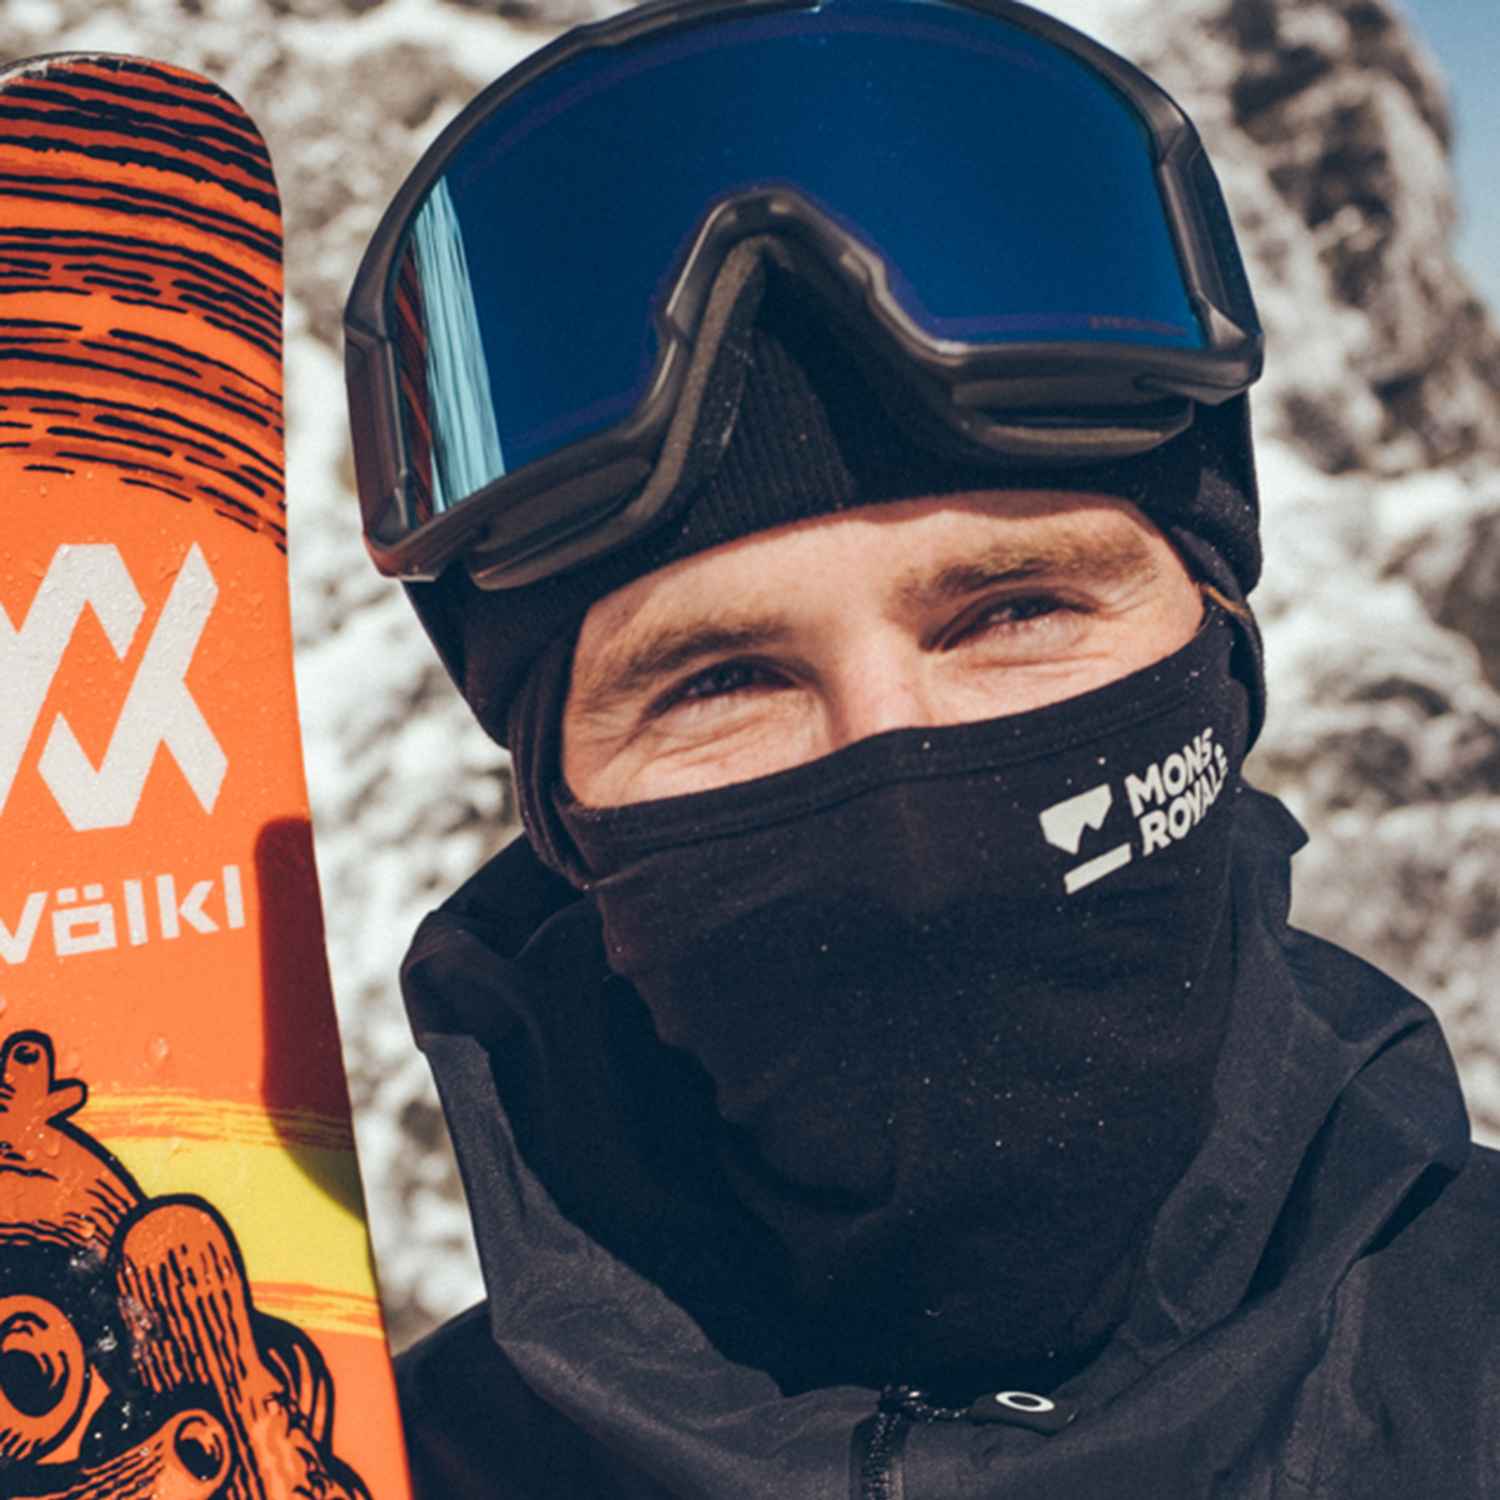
(1022, 226)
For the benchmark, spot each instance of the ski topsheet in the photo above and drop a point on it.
(187, 1306)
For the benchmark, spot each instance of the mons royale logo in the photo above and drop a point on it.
(158, 709)
(1168, 799)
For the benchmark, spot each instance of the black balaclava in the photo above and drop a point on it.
(959, 991)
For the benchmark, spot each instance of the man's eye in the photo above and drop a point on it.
(721, 680)
(1017, 617)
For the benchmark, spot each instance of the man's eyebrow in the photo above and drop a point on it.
(1067, 556)
(620, 676)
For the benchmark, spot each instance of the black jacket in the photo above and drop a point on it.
(1316, 1315)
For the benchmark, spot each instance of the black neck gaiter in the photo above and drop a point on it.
(960, 993)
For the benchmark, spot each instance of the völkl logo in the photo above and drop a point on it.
(158, 710)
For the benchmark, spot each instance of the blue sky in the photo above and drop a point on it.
(1465, 34)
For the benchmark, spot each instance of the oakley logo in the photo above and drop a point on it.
(1063, 826)
(158, 708)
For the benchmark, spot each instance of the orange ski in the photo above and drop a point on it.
(187, 1307)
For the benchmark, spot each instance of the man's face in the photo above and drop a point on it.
(789, 644)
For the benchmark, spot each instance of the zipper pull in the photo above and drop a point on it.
(1023, 1409)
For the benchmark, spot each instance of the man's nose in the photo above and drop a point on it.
(879, 692)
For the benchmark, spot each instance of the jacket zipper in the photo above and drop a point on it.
(901, 1405)
(877, 1480)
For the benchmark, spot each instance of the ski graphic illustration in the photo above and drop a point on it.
(187, 1307)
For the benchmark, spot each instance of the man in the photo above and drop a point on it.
(816, 440)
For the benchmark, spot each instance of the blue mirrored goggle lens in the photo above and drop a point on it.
(1009, 189)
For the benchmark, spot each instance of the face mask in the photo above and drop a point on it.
(960, 992)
